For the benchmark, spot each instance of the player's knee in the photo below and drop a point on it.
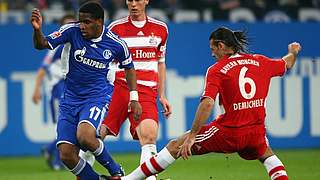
(86, 137)
(67, 155)
(268, 152)
(148, 138)
(86, 141)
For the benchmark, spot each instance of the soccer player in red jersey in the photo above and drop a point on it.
(146, 38)
(242, 82)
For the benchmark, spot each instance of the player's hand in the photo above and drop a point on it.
(167, 110)
(36, 19)
(294, 48)
(103, 131)
(185, 150)
(36, 97)
(136, 109)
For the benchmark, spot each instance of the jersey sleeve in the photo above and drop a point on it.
(163, 45)
(275, 67)
(123, 55)
(212, 84)
(113, 28)
(62, 36)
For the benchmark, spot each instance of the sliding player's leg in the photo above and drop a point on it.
(273, 165)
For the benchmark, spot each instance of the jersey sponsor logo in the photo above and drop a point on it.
(140, 54)
(79, 56)
(107, 54)
(55, 35)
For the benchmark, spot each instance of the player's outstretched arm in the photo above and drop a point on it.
(39, 41)
(167, 110)
(201, 117)
(134, 104)
(37, 89)
(293, 51)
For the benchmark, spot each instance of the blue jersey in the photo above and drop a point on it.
(86, 62)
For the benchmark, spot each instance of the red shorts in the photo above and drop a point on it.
(118, 111)
(249, 142)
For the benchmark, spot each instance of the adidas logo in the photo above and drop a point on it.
(94, 45)
(140, 33)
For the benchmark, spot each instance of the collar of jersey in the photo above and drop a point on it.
(98, 39)
(130, 20)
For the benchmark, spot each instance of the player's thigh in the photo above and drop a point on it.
(118, 111)
(212, 138)
(254, 145)
(150, 114)
(93, 113)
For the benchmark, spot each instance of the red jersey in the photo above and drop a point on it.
(242, 82)
(147, 46)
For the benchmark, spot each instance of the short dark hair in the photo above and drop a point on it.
(237, 40)
(93, 8)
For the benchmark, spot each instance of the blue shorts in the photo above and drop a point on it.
(71, 116)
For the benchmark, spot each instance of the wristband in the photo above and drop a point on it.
(134, 96)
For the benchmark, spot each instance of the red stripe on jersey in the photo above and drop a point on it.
(145, 169)
(278, 168)
(155, 165)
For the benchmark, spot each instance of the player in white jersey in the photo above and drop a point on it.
(51, 68)
(89, 49)
(146, 39)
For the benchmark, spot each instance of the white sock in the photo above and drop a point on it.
(147, 151)
(152, 166)
(275, 168)
(87, 156)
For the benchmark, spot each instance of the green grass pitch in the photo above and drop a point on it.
(300, 165)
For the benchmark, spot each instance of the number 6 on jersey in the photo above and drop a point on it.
(242, 82)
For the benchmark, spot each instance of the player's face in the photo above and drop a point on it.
(213, 48)
(216, 50)
(137, 9)
(89, 27)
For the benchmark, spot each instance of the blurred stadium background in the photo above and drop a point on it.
(293, 117)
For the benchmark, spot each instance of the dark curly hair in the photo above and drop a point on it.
(93, 8)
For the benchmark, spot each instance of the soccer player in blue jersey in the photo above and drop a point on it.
(51, 68)
(89, 48)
